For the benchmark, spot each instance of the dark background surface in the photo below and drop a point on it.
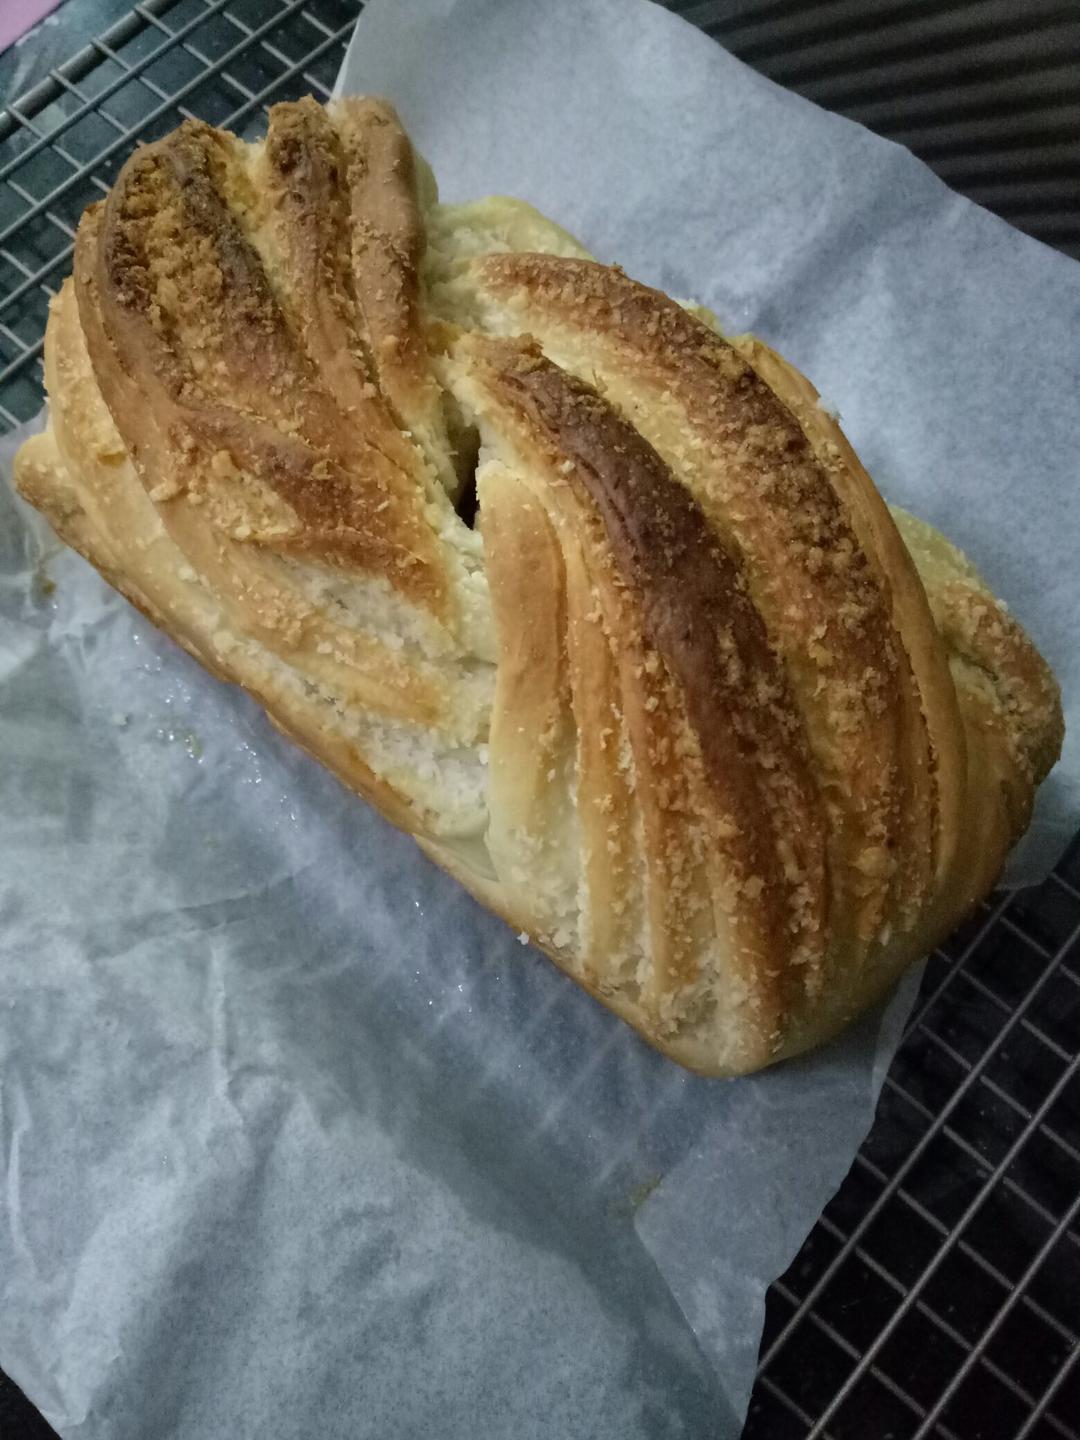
(955, 1238)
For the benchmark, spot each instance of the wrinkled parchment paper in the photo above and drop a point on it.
(297, 1140)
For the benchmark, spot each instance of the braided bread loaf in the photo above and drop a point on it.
(687, 705)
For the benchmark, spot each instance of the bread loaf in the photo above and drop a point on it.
(687, 704)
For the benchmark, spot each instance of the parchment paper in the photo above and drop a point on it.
(297, 1141)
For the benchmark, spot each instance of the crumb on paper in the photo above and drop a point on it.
(828, 407)
(185, 736)
(640, 1193)
(42, 585)
(523, 937)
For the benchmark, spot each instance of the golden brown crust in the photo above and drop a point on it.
(610, 816)
(190, 345)
(387, 238)
(222, 510)
(692, 710)
(531, 737)
(78, 473)
(696, 618)
(743, 455)
(1013, 677)
(299, 218)
(387, 249)
(933, 760)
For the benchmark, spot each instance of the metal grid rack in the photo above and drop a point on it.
(987, 92)
(939, 1294)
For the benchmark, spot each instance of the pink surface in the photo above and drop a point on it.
(17, 16)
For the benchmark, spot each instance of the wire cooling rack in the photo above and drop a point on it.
(987, 92)
(939, 1294)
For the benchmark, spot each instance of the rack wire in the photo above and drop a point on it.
(939, 1294)
(987, 92)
